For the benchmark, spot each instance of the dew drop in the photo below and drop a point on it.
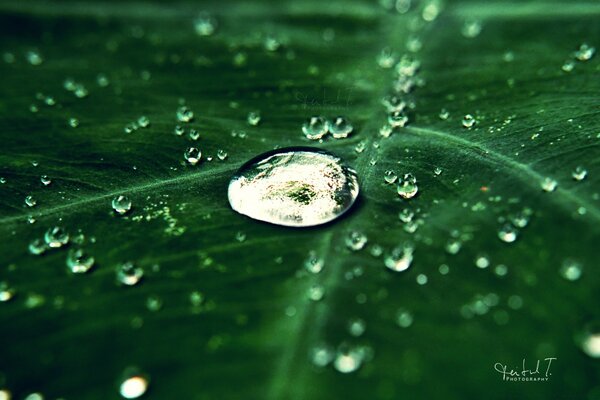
(133, 387)
(590, 340)
(73, 122)
(143, 121)
(221, 154)
(406, 215)
(45, 180)
(37, 247)
(404, 318)
(453, 246)
(178, 130)
(316, 292)
(356, 241)
(568, 66)
(315, 128)
(205, 25)
(579, 173)
(313, 263)
(397, 119)
(253, 118)
(390, 176)
(508, 233)
(444, 114)
(471, 29)
(571, 270)
(482, 261)
(356, 327)
(548, 185)
(294, 187)
(340, 128)
(407, 187)
(154, 303)
(56, 237)
(184, 114)
(192, 155)
(321, 355)
(585, 52)
(121, 204)
(6, 294)
(347, 359)
(128, 274)
(30, 201)
(34, 57)
(393, 103)
(79, 262)
(468, 121)
(399, 259)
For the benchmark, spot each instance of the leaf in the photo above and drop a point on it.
(236, 319)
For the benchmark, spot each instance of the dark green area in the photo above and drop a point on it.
(241, 342)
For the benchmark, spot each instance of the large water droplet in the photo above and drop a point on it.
(590, 340)
(348, 359)
(315, 128)
(400, 258)
(407, 187)
(294, 187)
(340, 127)
(508, 233)
(133, 387)
(128, 274)
(56, 237)
(79, 262)
(121, 204)
(192, 155)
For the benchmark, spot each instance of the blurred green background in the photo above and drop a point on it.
(226, 308)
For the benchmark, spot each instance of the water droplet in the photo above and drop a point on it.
(240, 236)
(316, 292)
(184, 114)
(196, 298)
(585, 52)
(321, 355)
(34, 57)
(128, 274)
(102, 80)
(437, 171)
(590, 340)
(385, 59)
(313, 263)
(192, 155)
(347, 359)
(143, 121)
(444, 114)
(471, 29)
(340, 127)
(482, 261)
(356, 240)
(315, 128)
(272, 44)
(453, 246)
(45, 180)
(571, 270)
(178, 130)
(253, 118)
(154, 303)
(404, 318)
(390, 176)
(468, 121)
(56, 237)
(294, 187)
(133, 386)
(37, 247)
(79, 262)
(205, 25)
(397, 119)
(407, 187)
(356, 327)
(221, 154)
(579, 173)
(568, 65)
(521, 219)
(400, 258)
(548, 185)
(121, 204)
(73, 122)
(393, 103)
(407, 66)
(30, 201)
(6, 294)
(406, 215)
(508, 233)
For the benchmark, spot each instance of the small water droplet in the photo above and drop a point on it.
(508, 233)
(400, 258)
(79, 262)
(34, 57)
(356, 241)
(205, 25)
(272, 44)
(30, 201)
(143, 121)
(192, 155)
(468, 121)
(482, 261)
(121, 204)
(453, 246)
(321, 355)
(313, 264)
(37, 247)
(184, 114)
(340, 127)
(407, 186)
(316, 292)
(471, 29)
(73, 122)
(521, 219)
(128, 274)
(6, 294)
(315, 128)
(406, 215)
(45, 180)
(397, 119)
(386, 58)
(56, 237)
(579, 173)
(568, 65)
(393, 103)
(102, 80)
(347, 359)
(590, 340)
(548, 184)
(178, 130)
(196, 298)
(390, 176)
(253, 118)
(133, 387)
(404, 318)
(356, 327)
(571, 270)
(294, 187)
(154, 303)
(585, 52)
(444, 114)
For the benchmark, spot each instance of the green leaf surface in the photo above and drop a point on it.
(254, 331)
